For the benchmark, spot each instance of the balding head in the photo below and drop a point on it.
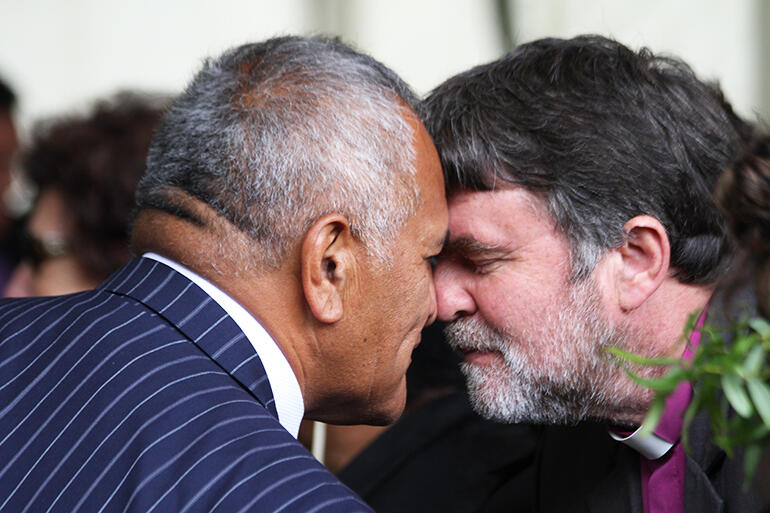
(273, 135)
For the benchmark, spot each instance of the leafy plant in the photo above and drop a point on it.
(726, 378)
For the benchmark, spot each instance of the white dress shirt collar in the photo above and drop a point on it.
(283, 382)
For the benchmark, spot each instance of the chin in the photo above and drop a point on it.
(369, 417)
(390, 410)
(373, 411)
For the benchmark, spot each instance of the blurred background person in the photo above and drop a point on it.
(744, 195)
(9, 143)
(85, 168)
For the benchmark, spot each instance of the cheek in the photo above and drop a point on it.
(410, 294)
(505, 307)
(499, 299)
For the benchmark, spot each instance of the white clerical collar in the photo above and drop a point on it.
(651, 446)
(286, 391)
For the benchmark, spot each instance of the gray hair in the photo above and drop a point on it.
(274, 135)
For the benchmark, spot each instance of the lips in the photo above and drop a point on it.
(481, 357)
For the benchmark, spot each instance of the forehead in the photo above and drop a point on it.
(432, 214)
(495, 217)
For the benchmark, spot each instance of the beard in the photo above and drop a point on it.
(554, 371)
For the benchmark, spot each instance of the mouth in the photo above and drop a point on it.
(478, 356)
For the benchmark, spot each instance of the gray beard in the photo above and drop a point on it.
(579, 384)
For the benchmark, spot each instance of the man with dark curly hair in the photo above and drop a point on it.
(744, 195)
(9, 143)
(85, 168)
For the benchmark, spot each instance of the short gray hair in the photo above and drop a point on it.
(274, 135)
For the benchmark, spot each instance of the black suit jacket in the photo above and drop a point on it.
(581, 469)
(444, 458)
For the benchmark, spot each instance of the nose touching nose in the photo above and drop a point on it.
(452, 296)
(433, 311)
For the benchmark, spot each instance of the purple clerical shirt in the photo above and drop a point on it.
(663, 475)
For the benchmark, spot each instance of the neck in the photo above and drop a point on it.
(656, 330)
(671, 307)
(272, 296)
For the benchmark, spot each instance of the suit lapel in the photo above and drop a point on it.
(194, 313)
(699, 493)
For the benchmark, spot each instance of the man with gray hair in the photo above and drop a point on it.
(287, 220)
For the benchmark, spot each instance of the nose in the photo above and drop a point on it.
(452, 296)
(433, 308)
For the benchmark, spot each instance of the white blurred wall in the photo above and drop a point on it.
(721, 40)
(60, 54)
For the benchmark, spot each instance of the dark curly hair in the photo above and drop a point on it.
(7, 97)
(94, 162)
(744, 195)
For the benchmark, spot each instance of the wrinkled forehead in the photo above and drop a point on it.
(506, 197)
(432, 211)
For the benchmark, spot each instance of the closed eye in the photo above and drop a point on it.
(482, 266)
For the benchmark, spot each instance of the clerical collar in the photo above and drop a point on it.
(651, 446)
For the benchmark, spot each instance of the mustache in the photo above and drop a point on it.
(471, 333)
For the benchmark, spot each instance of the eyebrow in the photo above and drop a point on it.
(468, 245)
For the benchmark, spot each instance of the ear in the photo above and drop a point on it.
(327, 262)
(644, 261)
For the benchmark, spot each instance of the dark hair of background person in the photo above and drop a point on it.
(94, 162)
(602, 133)
(744, 195)
(7, 97)
(10, 228)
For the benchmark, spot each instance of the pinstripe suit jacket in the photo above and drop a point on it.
(144, 395)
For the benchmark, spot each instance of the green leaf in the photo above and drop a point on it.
(743, 432)
(760, 394)
(743, 344)
(639, 359)
(760, 325)
(653, 416)
(754, 360)
(663, 385)
(751, 458)
(689, 415)
(736, 394)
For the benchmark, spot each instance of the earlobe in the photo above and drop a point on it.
(644, 261)
(326, 261)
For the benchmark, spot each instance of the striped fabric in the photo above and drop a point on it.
(143, 395)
